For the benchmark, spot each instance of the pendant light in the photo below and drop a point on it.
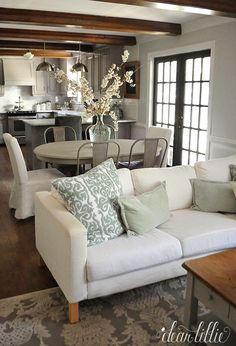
(79, 66)
(28, 55)
(45, 66)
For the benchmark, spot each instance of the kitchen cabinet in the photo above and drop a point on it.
(99, 63)
(45, 83)
(18, 71)
(66, 66)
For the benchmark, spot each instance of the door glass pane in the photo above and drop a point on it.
(159, 113)
(192, 158)
(165, 114)
(160, 72)
(196, 93)
(204, 118)
(188, 93)
(172, 92)
(189, 70)
(201, 157)
(187, 116)
(197, 69)
(159, 92)
(185, 157)
(202, 141)
(167, 71)
(173, 71)
(205, 93)
(172, 115)
(193, 142)
(206, 68)
(195, 117)
(166, 92)
(172, 136)
(186, 138)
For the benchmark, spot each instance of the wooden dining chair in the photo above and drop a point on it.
(113, 132)
(150, 157)
(100, 154)
(59, 134)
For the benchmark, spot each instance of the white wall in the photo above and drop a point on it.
(221, 38)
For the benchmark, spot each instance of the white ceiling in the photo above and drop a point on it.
(98, 8)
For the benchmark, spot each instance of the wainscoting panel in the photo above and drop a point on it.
(221, 147)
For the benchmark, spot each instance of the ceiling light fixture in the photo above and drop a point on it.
(79, 66)
(45, 66)
(28, 55)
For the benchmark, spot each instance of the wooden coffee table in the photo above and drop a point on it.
(212, 280)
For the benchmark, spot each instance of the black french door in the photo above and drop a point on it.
(181, 97)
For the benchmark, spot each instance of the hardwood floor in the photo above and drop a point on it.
(19, 266)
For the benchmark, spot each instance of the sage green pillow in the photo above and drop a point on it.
(89, 197)
(213, 196)
(142, 213)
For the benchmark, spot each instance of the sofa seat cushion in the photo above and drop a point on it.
(126, 254)
(201, 232)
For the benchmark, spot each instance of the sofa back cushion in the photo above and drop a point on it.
(177, 180)
(125, 181)
(215, 169)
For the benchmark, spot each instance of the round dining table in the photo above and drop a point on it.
(65, 153)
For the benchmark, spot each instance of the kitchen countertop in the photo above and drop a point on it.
(51, 122)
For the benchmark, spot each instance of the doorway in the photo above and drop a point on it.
(181, 99)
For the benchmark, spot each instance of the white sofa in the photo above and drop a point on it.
(124, 263)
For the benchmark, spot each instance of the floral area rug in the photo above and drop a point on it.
(133, 318)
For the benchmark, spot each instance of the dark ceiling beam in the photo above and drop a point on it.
(85, 21)
(225, 8)
(50, 45)
(37, 53)
(62, 36)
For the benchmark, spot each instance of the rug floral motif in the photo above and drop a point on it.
(132, 318)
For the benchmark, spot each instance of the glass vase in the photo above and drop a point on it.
(99, 132)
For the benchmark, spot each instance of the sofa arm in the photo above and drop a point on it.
(62, 243)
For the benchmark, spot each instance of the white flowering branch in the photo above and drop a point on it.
(111, 84)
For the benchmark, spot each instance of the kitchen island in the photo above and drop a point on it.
(34, 133)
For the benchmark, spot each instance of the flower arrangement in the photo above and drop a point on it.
(110, 88)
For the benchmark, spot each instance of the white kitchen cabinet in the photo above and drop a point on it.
(45, 83)
(18, 71)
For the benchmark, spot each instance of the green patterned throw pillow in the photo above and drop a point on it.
(89, 197)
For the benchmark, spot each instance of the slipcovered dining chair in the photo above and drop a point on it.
(162, 133)
(100, 153)
(59, 134)
(26, 183)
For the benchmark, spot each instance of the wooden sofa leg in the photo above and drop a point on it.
(74, 312)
